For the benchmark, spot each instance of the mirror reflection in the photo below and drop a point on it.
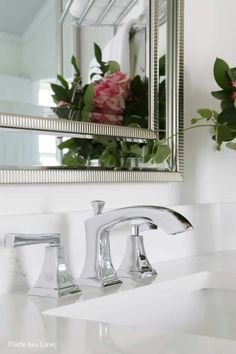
(111, 51)
(29, 55)
(20, 149)
(110, 42)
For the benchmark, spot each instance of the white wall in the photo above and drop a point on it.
(210, 32)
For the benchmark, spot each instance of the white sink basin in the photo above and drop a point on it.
(201, 304)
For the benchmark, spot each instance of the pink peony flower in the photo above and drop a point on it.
(110, 95)
(233, 83)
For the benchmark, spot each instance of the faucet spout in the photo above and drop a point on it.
(98, 268)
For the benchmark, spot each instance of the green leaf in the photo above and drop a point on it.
(223, 133)
(226, 103)
(108, 159)
(222, 95)
(134, 125)
(74, 63)
(124, 148)
(232, 74)
(221, 75)
(85, 115)
(228, 116)
(88, 96)
(136, 150)
(148, 148)
(63, 81)
(60, 93)
(215, 115)
(205, 113)
(231, 146)
(162, 153)
(73, 161)
(194, 120)
(98, 53)
(68, 144)
(233, 70)
(113, 66)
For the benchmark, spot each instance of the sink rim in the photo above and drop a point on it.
(97, 308)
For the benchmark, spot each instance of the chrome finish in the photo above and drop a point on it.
(37, 176)
(135, 263)
(54, 279)
(98, 268)
(175, 118)
(55, 125)
(98, 206)
(154, 67)
(136, 228)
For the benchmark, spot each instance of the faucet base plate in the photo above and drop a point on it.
(55, 293)
(98, 283)
(137, 274)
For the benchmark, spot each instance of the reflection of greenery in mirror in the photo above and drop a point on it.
(111, 98)
(92, 103)
(113, 154)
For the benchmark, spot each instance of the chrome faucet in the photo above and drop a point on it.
(54, 279)
(98, 268)
(135, 263)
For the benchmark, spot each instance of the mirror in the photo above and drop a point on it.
(122, 90)
(111, 48)
(122, 86)
(29, 46)
(40, 151)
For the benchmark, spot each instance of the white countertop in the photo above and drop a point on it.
(24, 329)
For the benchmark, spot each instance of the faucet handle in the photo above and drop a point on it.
(135, 263)
(55, 279)
(98, 206)
(138, 227)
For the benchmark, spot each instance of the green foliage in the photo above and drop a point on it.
(221, 74)
(205, 113)
(224, 122)
(136, 108)
(78, 105)
(228, 117)
(63, 82)
(231, 146)
(113, 66)
(60, 93)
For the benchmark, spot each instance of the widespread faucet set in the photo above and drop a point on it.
(55, 280)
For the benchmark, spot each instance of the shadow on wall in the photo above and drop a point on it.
(199, 148)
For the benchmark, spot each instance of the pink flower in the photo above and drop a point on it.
(104, 118)
(233, 96)
(110, 95)
(233, 83)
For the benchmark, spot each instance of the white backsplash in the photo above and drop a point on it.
(20, 267)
